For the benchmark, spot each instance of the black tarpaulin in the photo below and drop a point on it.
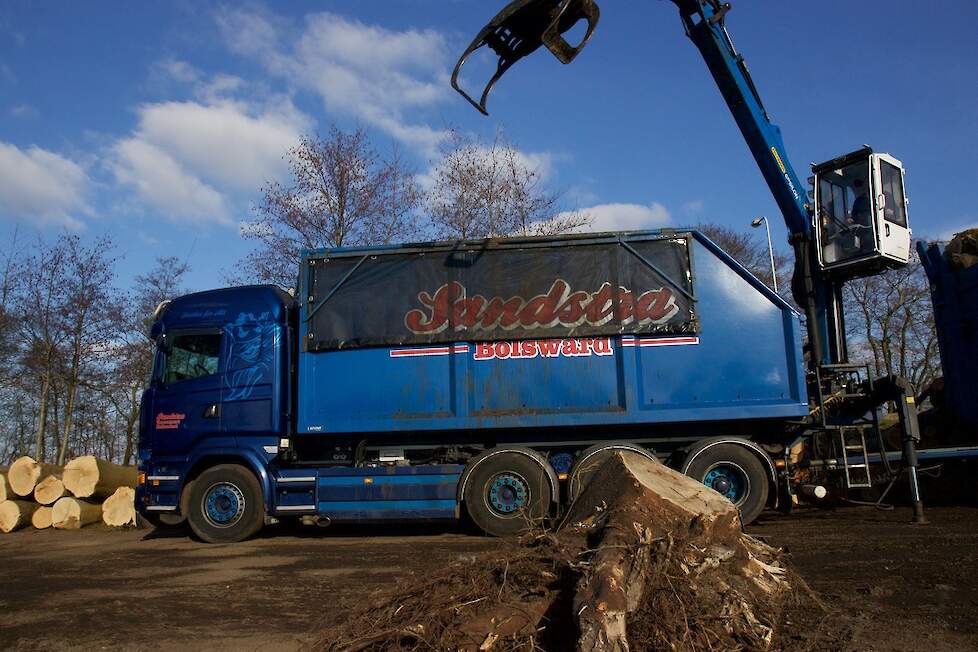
(490, 291)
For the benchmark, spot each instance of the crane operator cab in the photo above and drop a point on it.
(861, 213)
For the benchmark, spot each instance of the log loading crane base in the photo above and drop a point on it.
(488, 379)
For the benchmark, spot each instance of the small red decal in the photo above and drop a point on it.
(170, 421)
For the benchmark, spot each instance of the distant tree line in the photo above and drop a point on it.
(74, 349)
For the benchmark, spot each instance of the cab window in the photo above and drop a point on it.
(192, 356)
(894, 204)
(845, 213)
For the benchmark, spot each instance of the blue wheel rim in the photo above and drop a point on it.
(729, 480)
(223, 504)
(507, 493)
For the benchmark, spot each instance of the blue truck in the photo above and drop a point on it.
(487, 380)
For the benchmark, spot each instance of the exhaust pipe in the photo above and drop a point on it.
(321, 521)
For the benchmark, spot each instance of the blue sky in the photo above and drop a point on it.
(159, 122)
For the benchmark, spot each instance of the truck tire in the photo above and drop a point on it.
(591, 460)
(736, 473)
(226, 504)
(507, 494)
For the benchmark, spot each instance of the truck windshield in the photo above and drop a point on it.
(192, 356)
(845, 215)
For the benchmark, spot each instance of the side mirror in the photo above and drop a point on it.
(522, 27)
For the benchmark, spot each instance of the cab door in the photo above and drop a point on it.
(890, 203)
(186, 402)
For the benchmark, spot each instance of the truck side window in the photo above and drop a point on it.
(192, 356)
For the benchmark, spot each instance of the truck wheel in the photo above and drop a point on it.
(736, 473)
(506, 494)
(226, 504)
(591, 460)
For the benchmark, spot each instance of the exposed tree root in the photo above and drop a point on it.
(646, 559)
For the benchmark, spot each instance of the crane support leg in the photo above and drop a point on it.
(900, 391)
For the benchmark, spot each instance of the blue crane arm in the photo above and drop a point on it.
(704, 23)
(523, 26)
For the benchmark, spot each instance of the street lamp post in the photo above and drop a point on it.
(770, 248)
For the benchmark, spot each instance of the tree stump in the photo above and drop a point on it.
(88, 477)
(49, 489)
(25, 472)
(119, 509)
(72, 514)
(646, 559)
(648, 522)
(15, 514)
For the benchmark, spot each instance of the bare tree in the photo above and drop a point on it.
(87, 311)
(40, 297)
(133, 353)
(890, 324)
(489, 190)
(342, 193)
(163, 282)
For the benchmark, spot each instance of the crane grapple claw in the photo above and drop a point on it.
(522, 27)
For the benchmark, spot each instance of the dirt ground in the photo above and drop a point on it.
(889, 585)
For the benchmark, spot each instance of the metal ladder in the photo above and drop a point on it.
(857, 475)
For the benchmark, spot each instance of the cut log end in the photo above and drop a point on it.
(49, 490)
(15, 514)
(88, 476)
(5, 491)
(72, 514)
(25, 472)
(119, 509)
(41, 518)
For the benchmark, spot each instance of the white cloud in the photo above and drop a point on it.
(365, 71)
(177, 70)
(626, 217)
(40, 185)
(214, 146)
(223, 142)
(249, 33)
(162, 182)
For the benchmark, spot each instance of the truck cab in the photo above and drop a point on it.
(219, 387)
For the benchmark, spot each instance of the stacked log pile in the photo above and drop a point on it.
(87, 490)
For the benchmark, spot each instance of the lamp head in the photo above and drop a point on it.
(757, 222)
